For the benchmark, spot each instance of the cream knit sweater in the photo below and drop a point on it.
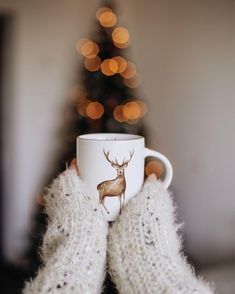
(74, 246)
(144, 249)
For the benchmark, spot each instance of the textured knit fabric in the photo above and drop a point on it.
(74, 246)
(144, 248)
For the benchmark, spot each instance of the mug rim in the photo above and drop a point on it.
(101, 137)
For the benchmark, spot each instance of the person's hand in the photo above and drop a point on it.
(75, 242)
(144, 249)
(73, 165)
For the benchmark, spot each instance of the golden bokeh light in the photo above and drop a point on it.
(113, 65)
(87, 48)
(122, 46)
(92, 64)
(102, 10)
(133, 82)
(154, 167)
(81, 108)
(120, 35)
(94, 110)
(133, 121)
(121, 62)
(118, 114)
(130, 71)
(77, 94)
(142, 106)
(109, 67)
(131, 110)
(107, 19)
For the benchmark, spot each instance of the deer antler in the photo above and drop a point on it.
(131, 155)
(106, 154)
(115, 163)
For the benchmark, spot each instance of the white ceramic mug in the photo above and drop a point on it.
(112, 167)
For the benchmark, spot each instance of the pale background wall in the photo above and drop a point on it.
(185, 53)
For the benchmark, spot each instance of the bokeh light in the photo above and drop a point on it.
(130, 71)
(142, 106)
(132, 110)
(107, 19)
(154, 167)
(81, 108)
(133, 121)
(121, 62)
(118, 114)
(120, 35)
(109, 67)
(92, 64)
(133, 82)
(94, 110)
(122, 46)
(102, 10)
(87, 48)
(77, 94)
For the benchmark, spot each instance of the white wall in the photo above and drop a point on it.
(184, 52)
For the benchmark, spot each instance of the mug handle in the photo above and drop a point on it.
(168, 167)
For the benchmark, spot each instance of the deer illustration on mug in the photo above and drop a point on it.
(117, 186)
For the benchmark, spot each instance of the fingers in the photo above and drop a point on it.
(73, 164)
(40, 198)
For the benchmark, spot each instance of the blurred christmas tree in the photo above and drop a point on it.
(104, 100)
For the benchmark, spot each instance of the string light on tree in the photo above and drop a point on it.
(133, 121)
(94, 110)
(132, 110)
(92, 64)
(87, 48)
(81, 108)
(133, 82)
(143, 107)
(122, 46)
(102, 10)
(109, 67)
(107, 18)
(130, 70)
(121, 37)
(118, 114)
(121, 62)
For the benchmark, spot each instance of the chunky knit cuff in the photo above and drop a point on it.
(74, 245)
(144, 249)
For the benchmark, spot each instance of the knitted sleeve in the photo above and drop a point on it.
(144, 248)
(74, 245)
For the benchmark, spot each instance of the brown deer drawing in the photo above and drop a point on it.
(117, 186)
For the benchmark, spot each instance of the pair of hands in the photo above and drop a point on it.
(73, 165)
(143, 245)
(40, 198)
